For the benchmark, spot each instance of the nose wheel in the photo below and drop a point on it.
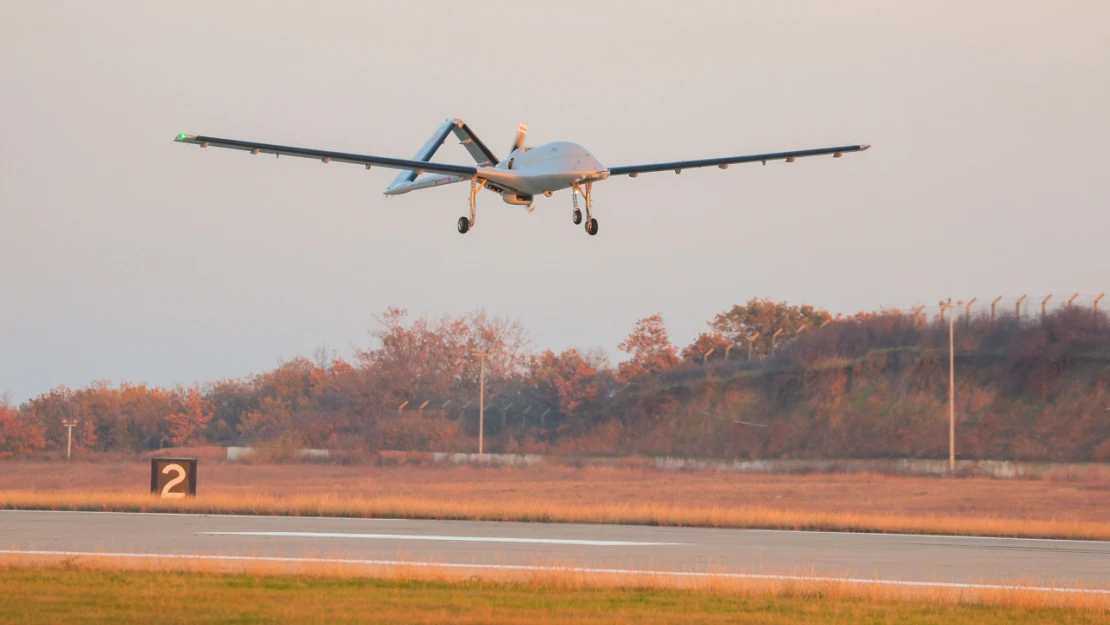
(576, 216)
(464, 225)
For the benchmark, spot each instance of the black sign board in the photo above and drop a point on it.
(173, 478)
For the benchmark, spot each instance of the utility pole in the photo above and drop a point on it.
(951, 389)
(69, 425)
(481, 403)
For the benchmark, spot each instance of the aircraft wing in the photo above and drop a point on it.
(327, 157)
(724, 162)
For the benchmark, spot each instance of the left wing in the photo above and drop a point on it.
(327, 157)
(724, 162)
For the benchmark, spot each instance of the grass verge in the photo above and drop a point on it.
(93, 592)
(560, 512)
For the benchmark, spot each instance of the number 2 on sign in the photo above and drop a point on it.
(169, 468)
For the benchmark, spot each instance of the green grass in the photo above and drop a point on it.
(77, 596)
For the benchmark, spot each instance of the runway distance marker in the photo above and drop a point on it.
(173, 478)
(472, 539)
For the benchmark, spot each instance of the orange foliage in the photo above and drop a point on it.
(868, 385)
(18, 434)
(650, 349)
(567, 380)
(185, 425)
(708, 345)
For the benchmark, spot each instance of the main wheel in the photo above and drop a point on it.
(464, 225)
(591, 227)
(577, 216)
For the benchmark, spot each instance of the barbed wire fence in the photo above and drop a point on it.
(525, 410)
(1025, 308)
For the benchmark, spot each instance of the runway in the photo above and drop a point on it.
(892, 557)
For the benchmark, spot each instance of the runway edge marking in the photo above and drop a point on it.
(692, 527)
(471, 539)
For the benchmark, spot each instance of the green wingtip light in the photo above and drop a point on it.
(181, 137)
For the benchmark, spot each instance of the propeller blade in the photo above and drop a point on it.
(521, 132)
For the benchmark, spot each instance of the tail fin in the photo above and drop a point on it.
(478, 150)
(482, 155)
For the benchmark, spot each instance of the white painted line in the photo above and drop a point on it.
(934, 536)
(463, 539)
(524, 567)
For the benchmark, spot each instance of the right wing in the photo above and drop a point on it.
(327, 157)
(723, 162)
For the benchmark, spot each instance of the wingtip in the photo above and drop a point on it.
(866, 146)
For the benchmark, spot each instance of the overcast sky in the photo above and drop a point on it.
(127, 257)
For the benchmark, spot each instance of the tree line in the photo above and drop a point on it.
(766, 379)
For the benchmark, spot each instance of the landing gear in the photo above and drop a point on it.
(465, 224)
(591, 223)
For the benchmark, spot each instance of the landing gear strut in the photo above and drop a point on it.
(466, 224)
(591, 223)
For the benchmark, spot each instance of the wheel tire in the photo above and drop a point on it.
(591, 227)
(464, 225)
(577, 216)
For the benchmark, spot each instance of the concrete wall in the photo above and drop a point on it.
(1004, 469)
(239, 453)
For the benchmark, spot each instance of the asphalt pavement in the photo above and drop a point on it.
(868, 556)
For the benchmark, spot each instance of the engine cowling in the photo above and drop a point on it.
(516, 199)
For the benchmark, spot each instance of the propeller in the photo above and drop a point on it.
(521, 132)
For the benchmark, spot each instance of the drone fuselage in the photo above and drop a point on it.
(545, 169)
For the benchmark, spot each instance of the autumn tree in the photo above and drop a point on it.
(707, 345)
(436, 358)
(190, 420)
(756, 322)
(567, 381)
(18, 433)
(650, 350)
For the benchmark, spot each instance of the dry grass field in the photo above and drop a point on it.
(861, 502)
(99, 591)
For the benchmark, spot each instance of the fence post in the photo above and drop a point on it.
(1044, 307)
(993, 304)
